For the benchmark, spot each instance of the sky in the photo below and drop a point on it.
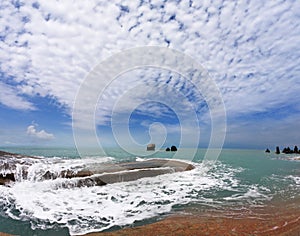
(250, 49)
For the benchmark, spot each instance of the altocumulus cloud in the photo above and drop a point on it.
(42, 134)
(10, 98)
(250, 48)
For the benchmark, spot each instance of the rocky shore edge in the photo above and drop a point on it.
(100, 174)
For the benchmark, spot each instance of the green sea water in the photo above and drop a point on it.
(238, 178)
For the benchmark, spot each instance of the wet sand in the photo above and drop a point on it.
(278, 218)
(4, 234)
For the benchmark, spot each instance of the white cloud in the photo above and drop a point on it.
(65, 40)
(10, 98)
(250, 49)
(42, 134)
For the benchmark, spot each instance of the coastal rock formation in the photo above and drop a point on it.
(151, 147)
(9, 154)
(16, 167)
(173, 149)
(8, 164)
(267, 150)
(288, 150)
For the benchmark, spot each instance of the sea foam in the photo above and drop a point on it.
(97, 208)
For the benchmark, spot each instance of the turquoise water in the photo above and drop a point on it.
(238, 178)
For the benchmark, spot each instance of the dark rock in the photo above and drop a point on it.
(296, 150)
(151, 147)
(8, 168)
(267, 150)
(5, 179)
(9, 154)
(110, 178)
(98, 174)
(277, 150)
(173, 148)
(168, 149)
(287, 150)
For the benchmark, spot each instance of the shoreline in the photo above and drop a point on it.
(280, 218)
(193, 225)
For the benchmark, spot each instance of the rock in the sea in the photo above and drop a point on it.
(267, 150)
(287, 150)
(151, 147)
(277, 150)
(88, 175)
(168, 149)
(173, 149)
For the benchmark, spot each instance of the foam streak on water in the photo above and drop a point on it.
(96, 208)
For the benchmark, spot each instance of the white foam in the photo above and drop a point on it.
(89, 209)
(254, 193)
(34, 169)
(140, 159)
(294, 158)
(296, 179)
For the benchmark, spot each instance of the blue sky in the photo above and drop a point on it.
(250, 49)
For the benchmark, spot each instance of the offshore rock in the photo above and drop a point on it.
(288, 150)
(15, 167)
(151, 147)
(277, 150)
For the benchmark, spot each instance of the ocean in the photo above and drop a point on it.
(239, 179)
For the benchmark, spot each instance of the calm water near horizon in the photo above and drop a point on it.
(239, 178)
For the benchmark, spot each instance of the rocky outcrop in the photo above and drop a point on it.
(15, 155)
(103, 179)
(9, 165)
(288, 150)
(173, 149)
(151, 147)
(267, 150)
(4, 179)
(277, 150)
(91, 174)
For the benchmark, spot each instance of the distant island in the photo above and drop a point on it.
(173, 149)
(286, 150)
